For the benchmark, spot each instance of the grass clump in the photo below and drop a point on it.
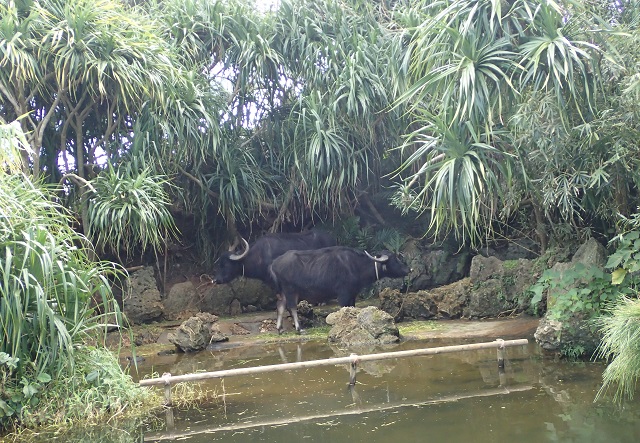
(621, 345)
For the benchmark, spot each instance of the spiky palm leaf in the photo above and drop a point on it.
(130, 210)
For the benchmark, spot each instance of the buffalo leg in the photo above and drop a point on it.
(281, 306)
(294, 314)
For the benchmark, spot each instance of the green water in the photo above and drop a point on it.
(461, 397)
(458, 397)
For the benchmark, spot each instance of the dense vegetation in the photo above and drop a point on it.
(481, 118)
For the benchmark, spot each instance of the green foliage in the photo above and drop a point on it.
(542, 82)
(573, 351)
(525, 107)
(349, 233)
(621, 326)
(50, 293)
(625, 261)
(582, 291)
(620, 345)
(130, 210)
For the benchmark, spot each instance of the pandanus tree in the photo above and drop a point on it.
(95, 83)
(505, 101)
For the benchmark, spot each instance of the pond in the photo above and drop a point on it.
(457, 397)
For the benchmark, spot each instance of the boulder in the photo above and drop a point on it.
(246, 293)
(360, 326)
(573, 337)
(445, 302)
(432, 267)
(498, 287)
(181, 301)
(142, 302)
(305, 314)
(494, 288)
(197, 332)
(570, 333)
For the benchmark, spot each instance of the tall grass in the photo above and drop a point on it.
(53, 300)
(46, 280)
(621, 344)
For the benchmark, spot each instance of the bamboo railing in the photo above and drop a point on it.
(167, 379)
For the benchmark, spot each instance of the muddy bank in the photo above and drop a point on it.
(246, 330)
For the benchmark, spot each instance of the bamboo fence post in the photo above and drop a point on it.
(167, 388)
(353, 369)
(500, 353)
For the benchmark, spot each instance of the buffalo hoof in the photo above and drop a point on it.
(280, 331)
(301, 331)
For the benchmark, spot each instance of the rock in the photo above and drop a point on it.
(197, 332)
(268, 326)
(235, 308)
(391, 301)
(305, 314)
(574, 337)
(218, 299)
(484, 268)
(238, 329)
(451, 299)
(569, 332)
(591, 253)
(146, 337)
(356, 326)
(445, 302)
(181, 301)
(512, 250)
(434, 267)
(420, 305)
(142, 300)
(493, 288)
(498, 287)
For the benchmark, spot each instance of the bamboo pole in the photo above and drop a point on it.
(168, 378)
(503, 390)
(500, 353)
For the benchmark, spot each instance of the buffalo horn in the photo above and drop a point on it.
(381, 259)
(236, 257)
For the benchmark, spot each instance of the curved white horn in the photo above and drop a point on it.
(381, 259)
(236, 257)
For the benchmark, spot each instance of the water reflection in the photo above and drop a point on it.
(457, 397)
(449, 397)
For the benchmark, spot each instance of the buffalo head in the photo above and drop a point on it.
(390, 264)
(230, 265)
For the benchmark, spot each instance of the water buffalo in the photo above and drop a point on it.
(323, 274)
(255, 260)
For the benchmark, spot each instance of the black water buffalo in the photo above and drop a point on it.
(323, 274)
(255, 260)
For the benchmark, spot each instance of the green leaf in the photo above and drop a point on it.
(43, 377)
(5, 409)
(618, 275)
(30, 389)
(92, 376)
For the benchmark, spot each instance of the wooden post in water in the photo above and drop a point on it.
(500, 353)
(167, 388)
(353, 370)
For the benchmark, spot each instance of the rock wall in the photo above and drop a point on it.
(574, 334)
(494, 288)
